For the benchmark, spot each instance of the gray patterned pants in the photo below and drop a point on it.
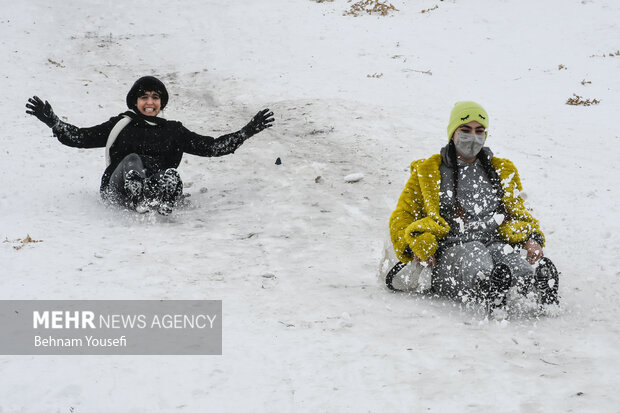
(460, 266)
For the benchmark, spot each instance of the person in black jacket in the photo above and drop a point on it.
(143, 150)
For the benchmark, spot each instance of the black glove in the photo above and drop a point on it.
(262, 120)
(43, 111)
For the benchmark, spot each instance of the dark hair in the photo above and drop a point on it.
(147, 84)
(485, 161)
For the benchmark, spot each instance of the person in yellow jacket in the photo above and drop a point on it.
(461, 213)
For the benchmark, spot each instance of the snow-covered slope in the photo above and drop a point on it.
(294, 257)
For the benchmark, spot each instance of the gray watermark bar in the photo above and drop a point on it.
(110, 327)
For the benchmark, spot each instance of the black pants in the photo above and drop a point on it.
(151, 182)
(116, 192)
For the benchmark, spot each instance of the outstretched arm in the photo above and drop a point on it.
(66, 133)
(261, 121)
(207, 146)
(42, 111)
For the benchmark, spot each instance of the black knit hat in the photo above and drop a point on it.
(147, 84)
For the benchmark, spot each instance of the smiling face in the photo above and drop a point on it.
(149, 103)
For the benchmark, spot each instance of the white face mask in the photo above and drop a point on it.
(469, 144)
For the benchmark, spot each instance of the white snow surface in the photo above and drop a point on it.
(307, 326)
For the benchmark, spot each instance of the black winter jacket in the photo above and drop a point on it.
(160, 146)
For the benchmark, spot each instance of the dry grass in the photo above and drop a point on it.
(379, 7)
(22, 242)
(612, 54)
(577, 100)
(431, 9)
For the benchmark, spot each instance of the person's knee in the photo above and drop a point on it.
(132, 158)
(132, 161)
(461, 265)
(519, 267)
(476, 257)
(475, 261)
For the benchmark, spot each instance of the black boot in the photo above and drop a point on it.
(547, 281)
(171, 188)
(151, 188)
(133, 186)
(495, 288)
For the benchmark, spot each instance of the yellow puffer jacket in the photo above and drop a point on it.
(416, 223)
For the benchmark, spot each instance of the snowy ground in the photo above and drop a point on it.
(294, 257)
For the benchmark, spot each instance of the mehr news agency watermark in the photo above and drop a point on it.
(99, 327)
(87, 320)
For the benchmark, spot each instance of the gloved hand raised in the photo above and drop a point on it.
(43, 111)
(262, 120)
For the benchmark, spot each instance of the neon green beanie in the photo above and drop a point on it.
(465, 112)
